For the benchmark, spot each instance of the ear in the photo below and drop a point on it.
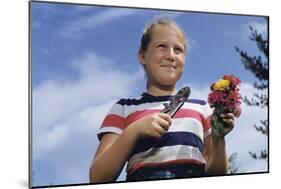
(141, 57)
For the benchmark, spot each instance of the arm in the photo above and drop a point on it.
(215, 155)
(114, 150)
(112, 155)
(215, 149)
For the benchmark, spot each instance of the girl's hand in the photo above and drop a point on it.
(228, 119)
(154, 125)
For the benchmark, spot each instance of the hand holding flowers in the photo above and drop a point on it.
(226, 100)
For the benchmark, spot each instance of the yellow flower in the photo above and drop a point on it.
(222, 85)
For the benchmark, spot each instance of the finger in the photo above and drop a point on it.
(166, 117)
(164, 124)
(227, 115)
(159, 130)
(229, 122)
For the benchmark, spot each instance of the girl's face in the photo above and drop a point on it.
(164, 58)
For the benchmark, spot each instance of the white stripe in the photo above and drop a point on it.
(191, 125)
(203, 109)
(145, 106)
(207, 110)
(168, 153)
(197, 107)
(117, 109)
(110, 129)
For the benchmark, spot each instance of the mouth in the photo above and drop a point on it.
(170, 66)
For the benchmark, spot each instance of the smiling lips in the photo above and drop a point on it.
(168, 66)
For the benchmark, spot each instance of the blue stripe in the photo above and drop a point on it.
(147, 98)
(168, 139)
(197, 101)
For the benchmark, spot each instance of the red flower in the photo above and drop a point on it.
(232, 100)
(216, 97)
(227, 99)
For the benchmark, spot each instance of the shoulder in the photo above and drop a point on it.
(199, 105)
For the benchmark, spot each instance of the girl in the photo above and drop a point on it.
(154, 145)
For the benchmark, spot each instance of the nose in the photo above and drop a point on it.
(171, 55)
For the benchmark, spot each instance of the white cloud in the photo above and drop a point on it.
(60, 108)
(166, 15)
(244, 31)
(82, 8)
(76, 147)
(94, 20)
(261, 28)
(199, 92)
(45, 140)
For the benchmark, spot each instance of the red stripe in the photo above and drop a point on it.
(139, 114)
(121, 122)
(178, 161)
(114, 120)
(182, 113)
(207, 123)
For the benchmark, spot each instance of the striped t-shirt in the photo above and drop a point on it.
(182, 143)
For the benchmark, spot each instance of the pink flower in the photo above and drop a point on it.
(237, 111)
(216, 97)
(232, 100)
(228, 99)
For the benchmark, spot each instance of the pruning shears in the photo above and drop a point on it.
(176, 102)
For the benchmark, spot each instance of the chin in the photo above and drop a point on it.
(169, 82)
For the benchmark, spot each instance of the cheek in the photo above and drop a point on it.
(181, 62)
(156, 55)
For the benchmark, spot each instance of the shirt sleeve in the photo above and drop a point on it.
(114, 121)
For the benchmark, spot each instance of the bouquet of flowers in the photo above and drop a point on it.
(224, 98)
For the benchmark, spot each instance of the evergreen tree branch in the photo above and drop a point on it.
(261, 43)
(254, 64)
(259, 69)
(263, 128)
(263, 155)
(233, 166)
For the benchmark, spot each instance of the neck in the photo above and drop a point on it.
(161, 90)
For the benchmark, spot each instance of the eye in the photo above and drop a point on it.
(178, 50)
(161, 45)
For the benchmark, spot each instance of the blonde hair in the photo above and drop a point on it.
(148, 31)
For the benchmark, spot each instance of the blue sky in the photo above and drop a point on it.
(84, 58)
